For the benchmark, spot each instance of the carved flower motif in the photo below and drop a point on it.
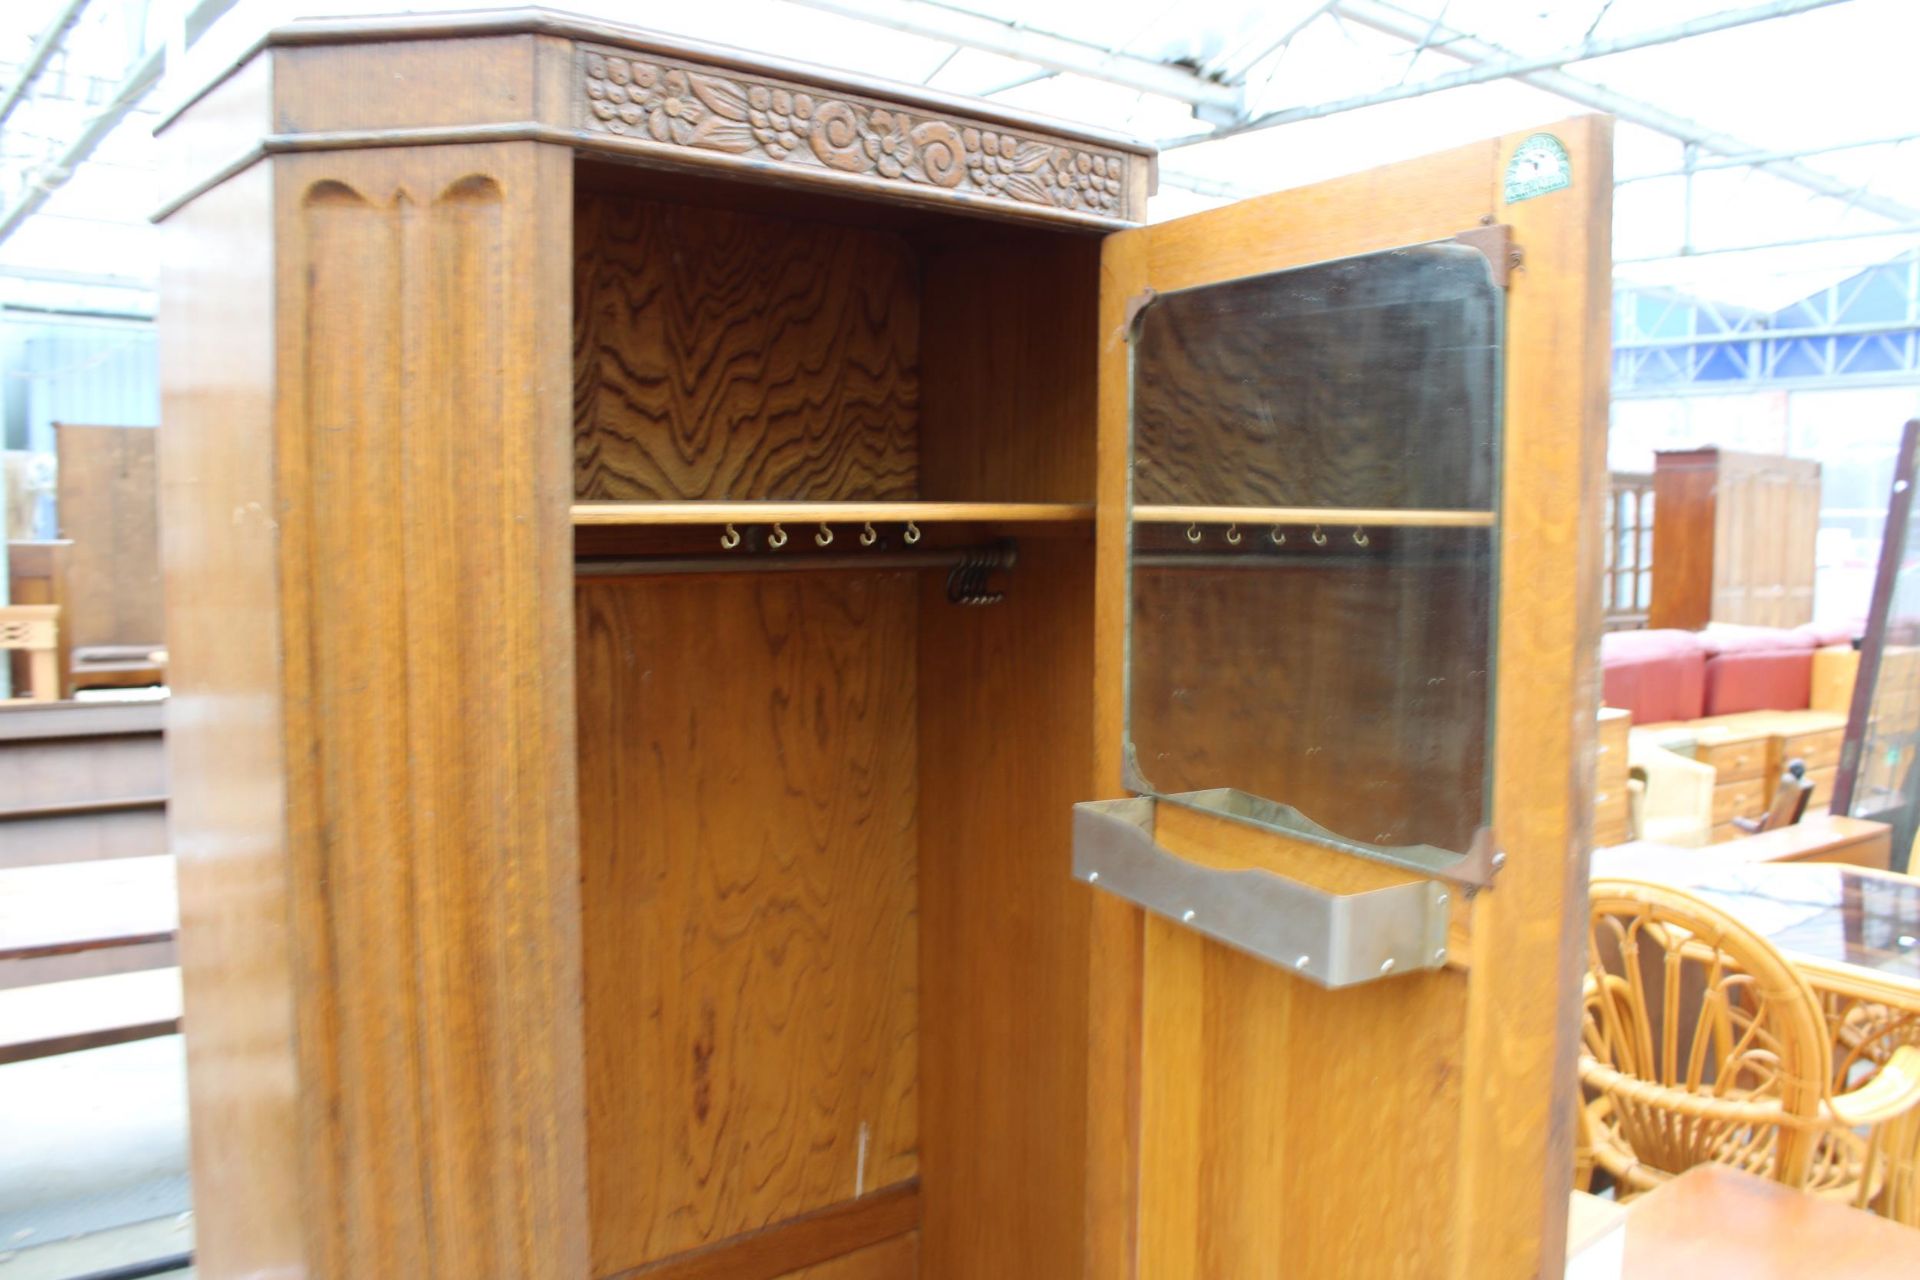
(673, 105)
(689, 107)
(888, 144)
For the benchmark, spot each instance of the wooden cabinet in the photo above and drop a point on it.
(1749, 750)
(642, 539)
(1611, 820)
(1733, 538)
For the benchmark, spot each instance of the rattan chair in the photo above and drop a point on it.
(1701, 1044)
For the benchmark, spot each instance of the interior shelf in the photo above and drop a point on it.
(636, 514)
(1378, 516)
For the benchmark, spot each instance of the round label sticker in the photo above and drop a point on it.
(1539, 165)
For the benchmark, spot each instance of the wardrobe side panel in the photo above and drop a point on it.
(426, 584)
(748, 839)
(1006, 749)
(1008, 354)
(227, 808)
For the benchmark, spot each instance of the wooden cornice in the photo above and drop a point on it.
(659, 100)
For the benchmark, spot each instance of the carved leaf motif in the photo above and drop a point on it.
(1029, 157)
(722, 97)
(717, 133)
(1022, 187)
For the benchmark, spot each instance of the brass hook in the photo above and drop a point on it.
(867, 535)
(1277, 536)
(1233, 535)
(730, 539)
(1319, 537)
(1360, 538)
(778, 538)
(1193, 533)
(824, 537)
(912, 535)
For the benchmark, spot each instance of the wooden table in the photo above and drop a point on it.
(1820, 837)
(73, 907)
(1714, 1222)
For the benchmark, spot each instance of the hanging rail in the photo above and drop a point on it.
(967, 577)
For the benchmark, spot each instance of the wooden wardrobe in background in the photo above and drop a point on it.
(645, 535)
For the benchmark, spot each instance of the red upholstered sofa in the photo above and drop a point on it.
(1684, 675)
(1656, 675)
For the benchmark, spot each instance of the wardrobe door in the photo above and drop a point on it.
(1352, 462)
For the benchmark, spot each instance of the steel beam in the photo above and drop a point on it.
(1516, 66)
(1205, 186)
(44, 47)
(1455, 44)
(1056, 53)
(1770, 157)
(49, 176)
(1908, 229)
(1233, 65)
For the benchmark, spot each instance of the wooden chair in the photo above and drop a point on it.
(1701, 1044)
(35, 628)
(1789, 804)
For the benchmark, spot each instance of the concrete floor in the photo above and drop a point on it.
(93, 1160)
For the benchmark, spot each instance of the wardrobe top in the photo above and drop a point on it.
(600, 86)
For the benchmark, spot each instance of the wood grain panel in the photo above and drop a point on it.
(426, 584)
(1240, 1121)
(1006, 749)
(896, 1259)
(728, 355)
(1007, 353)
(875, 1223)
(748, 783)
(109, 508)
(225, 737)
(1516, 1145)
(1116, 928)
(393, 84)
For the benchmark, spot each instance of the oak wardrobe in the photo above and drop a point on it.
(650, 563)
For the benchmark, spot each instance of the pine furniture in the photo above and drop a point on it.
(647, 539)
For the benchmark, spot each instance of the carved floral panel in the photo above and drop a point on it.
(686, 105)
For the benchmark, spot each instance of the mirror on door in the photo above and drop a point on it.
(1314, 549)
